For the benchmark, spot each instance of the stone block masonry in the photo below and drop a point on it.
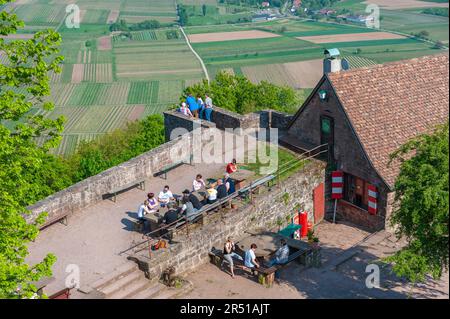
(264, 212)
(91, 190)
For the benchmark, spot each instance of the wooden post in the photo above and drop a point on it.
(334, 211)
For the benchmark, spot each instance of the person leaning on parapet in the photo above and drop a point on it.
(188, 209)
(185, 110)
(229, 253)
(201, 106)
(208, 108)
(193, 106)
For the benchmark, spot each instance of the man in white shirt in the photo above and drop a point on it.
(165, 196)
(143, 210)
(198, 183)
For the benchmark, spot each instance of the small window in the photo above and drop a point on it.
(355, 191)
(326, 125)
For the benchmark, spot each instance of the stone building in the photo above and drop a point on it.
(361, 116)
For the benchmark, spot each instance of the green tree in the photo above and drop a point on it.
(24, 85)
(238, 94)
(421, 212)
(204, 8)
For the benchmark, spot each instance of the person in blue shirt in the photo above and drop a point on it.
(193, 106)
(250, 258)
(201, 107)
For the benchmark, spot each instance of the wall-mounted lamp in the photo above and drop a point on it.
(322, 95)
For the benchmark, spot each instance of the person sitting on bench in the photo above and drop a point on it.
(229, 183)
(143, 210)
(229, 254)
(250, 259)
(232, 167)
(281, 255)
(169, 219)
(188, 210)
(193, 199)
(152, 203)
(222, 191)
(165, 196)
(198, 183)
(212, 194)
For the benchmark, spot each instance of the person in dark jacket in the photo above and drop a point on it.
(222, 191)
(193, 199)
(229, 183)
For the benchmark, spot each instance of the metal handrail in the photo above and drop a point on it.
(226, 199)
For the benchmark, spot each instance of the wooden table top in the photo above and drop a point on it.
(241, 174)
(267, 243)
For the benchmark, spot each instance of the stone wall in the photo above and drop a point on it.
(92, 189)
(222, 119)
(267, 207)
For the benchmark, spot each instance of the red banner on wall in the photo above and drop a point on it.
(337, 184)
(372, 199)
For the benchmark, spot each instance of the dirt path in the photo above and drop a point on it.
(196, 54)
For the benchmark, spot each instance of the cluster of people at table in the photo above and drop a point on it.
(250, 261)
(190, 204)
(196, 107)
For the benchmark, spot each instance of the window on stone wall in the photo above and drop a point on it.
(355, 190)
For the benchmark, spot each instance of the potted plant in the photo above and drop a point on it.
(315, 243)
(310, 236)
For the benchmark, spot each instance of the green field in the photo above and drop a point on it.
(105, 84)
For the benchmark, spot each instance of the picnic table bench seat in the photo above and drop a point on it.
(168, 168)
(60, 217)
(267, 274)
(114, 191)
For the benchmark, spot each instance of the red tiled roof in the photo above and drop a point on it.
(391, 103)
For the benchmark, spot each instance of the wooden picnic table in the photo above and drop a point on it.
(267, 243)
(200, 194)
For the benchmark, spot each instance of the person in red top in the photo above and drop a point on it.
(232, 167)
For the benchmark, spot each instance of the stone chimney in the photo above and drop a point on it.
(332, 61)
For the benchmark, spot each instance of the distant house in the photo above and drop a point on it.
(295, 5)
(326, 12)
(260, 17)
(360, 19)
(359, 117)
(265, 4)
(263, 17)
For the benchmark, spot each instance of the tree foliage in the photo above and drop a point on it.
(421, 212)
(24, 84)
(116, 147)
(238, 94)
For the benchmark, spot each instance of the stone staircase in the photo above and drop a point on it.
(128, 282)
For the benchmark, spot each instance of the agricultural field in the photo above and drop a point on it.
(109, 78)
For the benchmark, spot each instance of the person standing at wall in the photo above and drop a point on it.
(208, 108)
(193, 106)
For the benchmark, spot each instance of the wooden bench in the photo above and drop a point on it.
(62, 294)
(172, 166)
(140, 184)
(267, 274)
(62, 218)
